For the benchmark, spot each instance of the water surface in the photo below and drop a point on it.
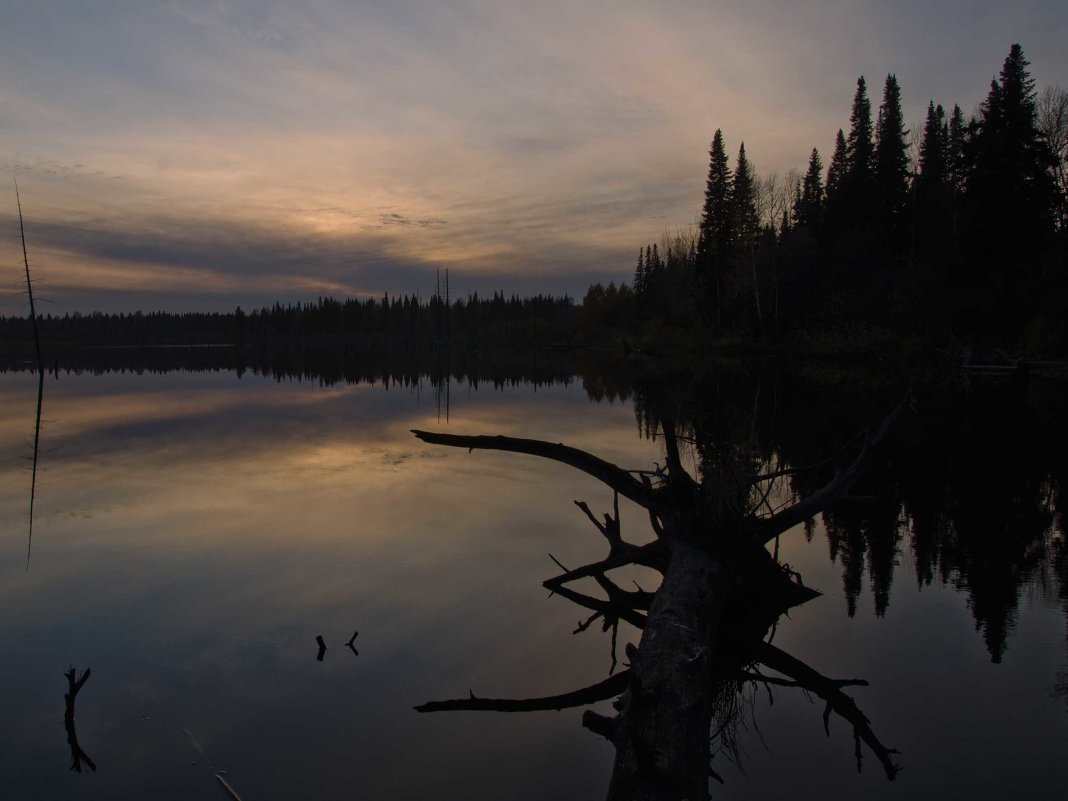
(194, 532)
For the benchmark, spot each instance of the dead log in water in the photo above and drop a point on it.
(702, 631)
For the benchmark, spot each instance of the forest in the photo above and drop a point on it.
(955, 234)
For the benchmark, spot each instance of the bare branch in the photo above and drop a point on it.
(830, 690)
(609, 609)
(615, 477)
(772, 526)
(603, 690)
(651, 555)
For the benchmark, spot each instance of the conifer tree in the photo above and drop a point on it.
(836, 172)
(746, 221)
(808, 208)
(955, 149)
(745, 225)
(860, 148)
(714, 239)
(933, 231)
(1009, 201)
(836, 198)
(891, 161)
(714, 232)
(639, 277)
(934, 149)
(1010, 196)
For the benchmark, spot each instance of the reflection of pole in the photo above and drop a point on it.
(36, 441)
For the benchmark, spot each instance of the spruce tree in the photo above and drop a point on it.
(714, 236)
(1010, 195)
(955, 149)
(891, 161)
(934, 149)
(836, 172)
(933, 220)
(714, 232)
(808, 210)
(835, 195)
(745, 227)
(1009, 200)
(860, 150)
(746, 223)
(639, 278)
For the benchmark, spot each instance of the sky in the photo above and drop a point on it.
(202, 155)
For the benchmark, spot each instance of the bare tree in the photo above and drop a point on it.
(913, 138)
(1053, 123)
(767, 188)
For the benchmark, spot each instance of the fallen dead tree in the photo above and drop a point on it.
(703, 631)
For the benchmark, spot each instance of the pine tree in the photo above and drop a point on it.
(836, 172)
(934, 149)
(955, 149)
(933, 229)
(1009, 200)
(891, 161)
(639, 277)
(836, 200)
(808, 209)
(860, 150)
(714, 235)
(746, 222)
(745, 225)
(1009, 193)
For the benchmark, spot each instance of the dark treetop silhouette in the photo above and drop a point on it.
(703, 630)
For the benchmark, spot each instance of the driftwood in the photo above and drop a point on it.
(702, 632)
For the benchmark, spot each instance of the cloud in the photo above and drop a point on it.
(349, 141)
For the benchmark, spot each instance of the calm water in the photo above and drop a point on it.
(194, 532)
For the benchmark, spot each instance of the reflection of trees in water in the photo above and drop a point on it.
(992, 535)
(332, 365)
(971, 487)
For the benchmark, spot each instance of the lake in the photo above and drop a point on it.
(194, 531)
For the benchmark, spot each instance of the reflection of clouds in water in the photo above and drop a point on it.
(204, 576)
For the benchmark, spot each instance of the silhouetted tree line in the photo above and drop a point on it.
(390, 321)
(958, 231)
